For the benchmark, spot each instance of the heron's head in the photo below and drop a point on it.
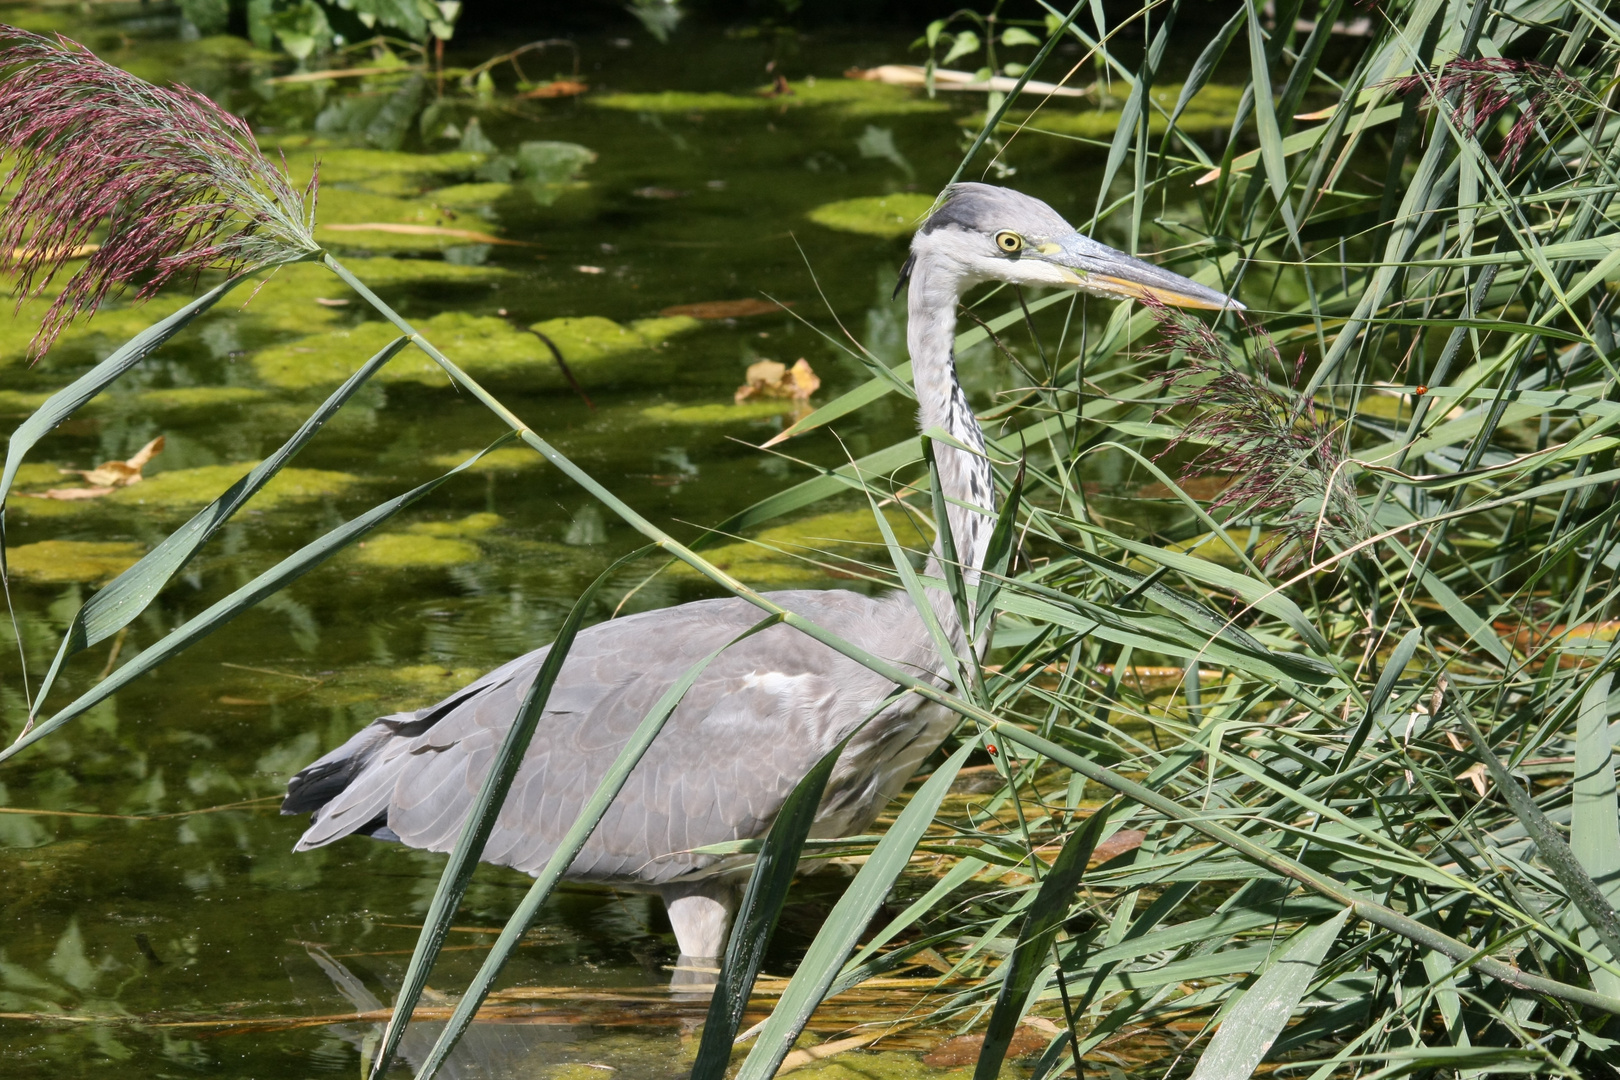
(985, 233)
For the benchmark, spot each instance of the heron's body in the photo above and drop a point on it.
(761, 714)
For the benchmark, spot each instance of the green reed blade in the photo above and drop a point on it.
(756, 918)
(567, 849)
(847, 921)
(117, 604)
(1042, 919)
(223, 611)
(481, 818)
(1264, 1009)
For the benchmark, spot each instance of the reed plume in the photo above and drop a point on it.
(153, 182)
(1278, 447)
(1489, 85)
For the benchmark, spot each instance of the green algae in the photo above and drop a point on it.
(1213, 108)
(391, 687)
(889, 1065)
(1208, 546)
(60, 562)
(506, 459)
(20, 403)
(475, 196)
(352, 165)
(189, 489)
(341, 208)
(720, 412)
(413, 551)
(184, 400)
(33, 475)
(485, 346)
(888, 216)
(842, 537)
(659, 330)
(471, 525)
(850, 97)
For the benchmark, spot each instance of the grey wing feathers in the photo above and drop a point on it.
(747, 730)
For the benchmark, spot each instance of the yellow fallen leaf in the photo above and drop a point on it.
(107, 476)
(769, 379)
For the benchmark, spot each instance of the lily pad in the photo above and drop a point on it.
(847, 537)
(65, 561)
(880, 215)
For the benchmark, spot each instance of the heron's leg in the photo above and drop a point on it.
(700, 913)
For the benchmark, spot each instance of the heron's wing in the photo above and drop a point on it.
(747, 730)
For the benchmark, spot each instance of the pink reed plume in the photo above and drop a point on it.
(1487, 87)
(169, 182)
(1279, 450)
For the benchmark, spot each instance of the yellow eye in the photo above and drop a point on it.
(1010, 242)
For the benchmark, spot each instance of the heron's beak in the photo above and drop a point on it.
(1100, 269)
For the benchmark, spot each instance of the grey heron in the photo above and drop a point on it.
(763, 713)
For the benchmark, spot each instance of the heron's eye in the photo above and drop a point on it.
(1010, 242)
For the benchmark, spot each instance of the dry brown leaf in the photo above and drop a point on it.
(655, 192)
(71, 494)
(556, 89)
(1475, 774)
(964, 1049)
(115, 474)
(327, 301)
(769, 379)
(724, 309)
(1117, 845)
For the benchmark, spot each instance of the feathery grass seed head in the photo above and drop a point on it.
(1487, 86)
(166, 182)
(1280, 451)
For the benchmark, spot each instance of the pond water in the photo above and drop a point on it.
(149, 897)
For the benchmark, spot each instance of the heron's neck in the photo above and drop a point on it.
(968, 484)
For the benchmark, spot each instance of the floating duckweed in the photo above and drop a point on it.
(1208, 546)
(506, 459)
(415, 551)
(1213, 108)
(355, 208)
(471, 196)
(191, 399)
(720, 412)
(59, 562)
(187, 489)
(881, 215)
(408, 687)
(659, 330)
(471, 525)
(485, 346)
(16, 402)
(851, 534)
(350, 165)
(852, 97)
(36, 475)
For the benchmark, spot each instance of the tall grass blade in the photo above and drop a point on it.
(847, 921)
(117, 604)
(223, 611)
(481, 818)
(567, 849)
(1594, 823)
(1034, 946)
(1399, 657)
(756, 918)
(1264, 1009)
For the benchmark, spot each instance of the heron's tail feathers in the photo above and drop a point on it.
(346, 791)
